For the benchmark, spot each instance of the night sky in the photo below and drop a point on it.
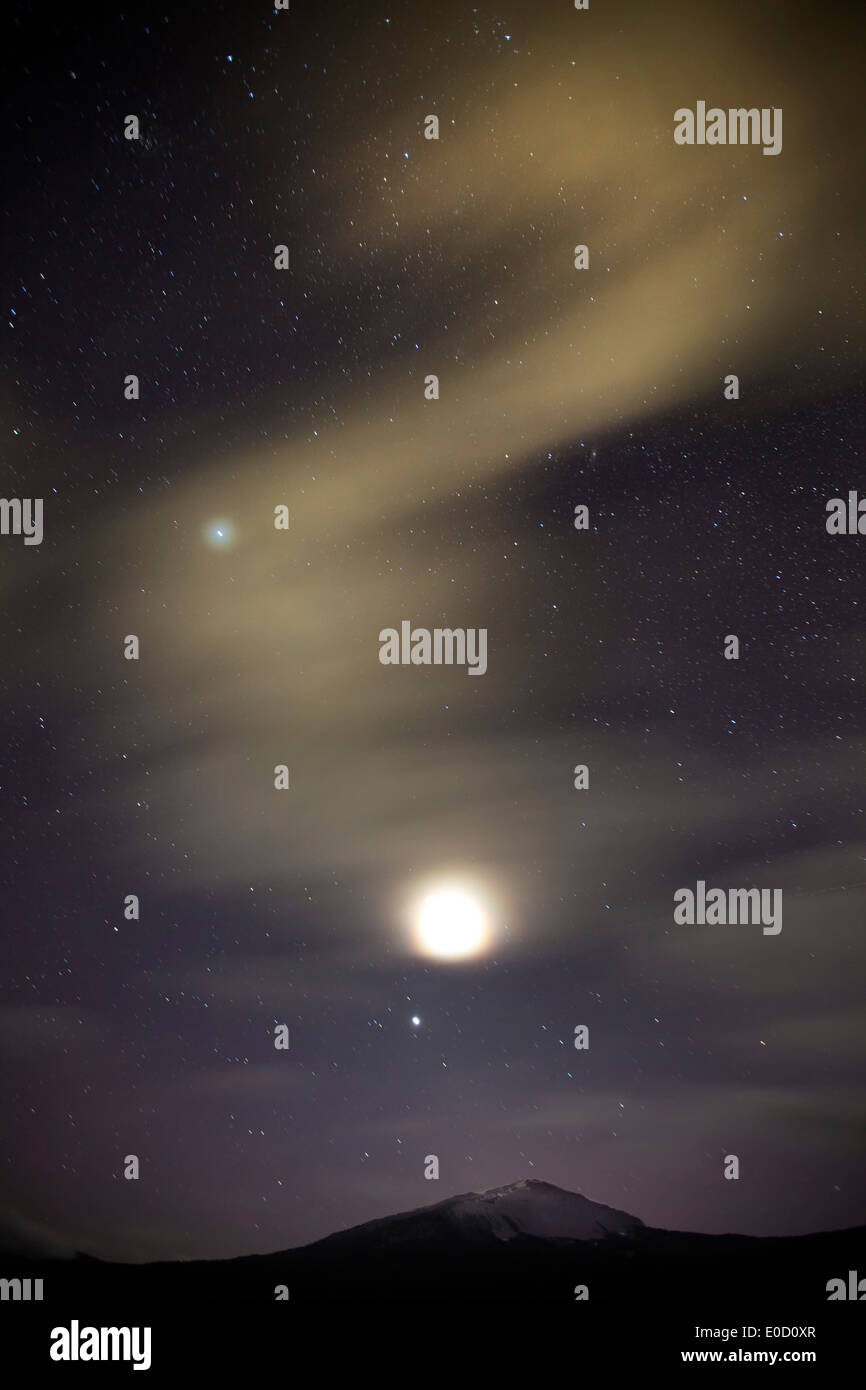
(304, 387)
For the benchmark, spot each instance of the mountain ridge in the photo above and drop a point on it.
(527, 1211)
(527, 1207)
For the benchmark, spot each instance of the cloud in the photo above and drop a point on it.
(27, 1239)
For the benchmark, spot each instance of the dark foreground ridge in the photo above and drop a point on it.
(529, 1242)
(517, 1271)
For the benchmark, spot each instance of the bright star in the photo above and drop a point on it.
(219, 534)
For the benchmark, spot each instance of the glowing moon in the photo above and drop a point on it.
(450, 923)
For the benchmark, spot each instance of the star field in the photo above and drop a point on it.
(305, 388)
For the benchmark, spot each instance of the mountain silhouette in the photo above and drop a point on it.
(528, 1241)
(528, 1208)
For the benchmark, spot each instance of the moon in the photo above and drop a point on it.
(451, 922)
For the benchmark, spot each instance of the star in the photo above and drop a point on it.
(219, 534)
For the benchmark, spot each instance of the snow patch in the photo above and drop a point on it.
(533, 1208)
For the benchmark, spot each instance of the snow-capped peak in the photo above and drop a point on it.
(534, 1208)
